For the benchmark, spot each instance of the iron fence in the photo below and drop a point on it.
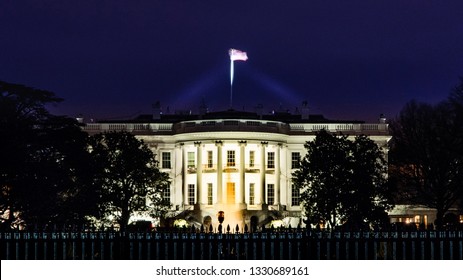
(195, 245)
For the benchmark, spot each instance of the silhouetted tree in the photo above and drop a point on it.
(456, 103)
(43, 158)
(342, 180)
(129, 178)
(369, 195)
(427, 154)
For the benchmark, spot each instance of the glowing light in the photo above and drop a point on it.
(277, 88)
(276, 223)
(180, 223)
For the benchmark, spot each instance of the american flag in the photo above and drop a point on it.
(237, 55)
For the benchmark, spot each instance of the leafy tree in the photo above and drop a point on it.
(43, 158)
(427, 152)
(342, 180)
(369, 193)
(129, 178)
(321, 177)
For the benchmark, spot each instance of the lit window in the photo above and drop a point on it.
(165, 160)
(191, 159)
(251, 194)
(251, 158)
(191, 194)
(271, 160)
(295, 159)
(295, 196)
(230, 158)
(209, 194)
(270, 194)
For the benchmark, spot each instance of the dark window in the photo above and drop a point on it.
(166, 160)
(271, 160)
(270, 194)
(295, 159)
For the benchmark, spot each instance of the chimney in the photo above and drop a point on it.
(259, 110)
(157, 111)
(80, 119)
(203, 107)
(382, 118)
(305, 110)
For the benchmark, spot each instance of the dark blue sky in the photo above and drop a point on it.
(348, 59)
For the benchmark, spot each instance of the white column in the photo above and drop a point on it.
(219, 172)
(177, 162)
(241, 198)
(277, 174)
(199, 173)
(184, 172)
(261, 198)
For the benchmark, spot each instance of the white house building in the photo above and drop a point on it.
(240, 163)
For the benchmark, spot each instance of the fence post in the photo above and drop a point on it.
(16, 244)
(54, 237)
(460, 245)
(8, 237)
(27, 238)
(423, 237)
(385, 244)
(414, 236)
(111, 236)
(394, 236)
(300, 237)
(83, 240)
(45, 238)
(283, 239)
(289, 240)
(219, 245)
(442, 234)
(272, 246)
(366, 241)
(319, 245)
(264, 241)
(74, 246)
(356, 245)
(432, 236)
(347, 239)
(201, 244)
(64, 240)
(192, 241)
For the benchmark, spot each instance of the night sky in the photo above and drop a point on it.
(349, 59)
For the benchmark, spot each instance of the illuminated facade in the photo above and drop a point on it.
(237, 162)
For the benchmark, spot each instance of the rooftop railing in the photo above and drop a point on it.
(239, 125)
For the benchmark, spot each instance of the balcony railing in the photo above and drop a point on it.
(343, 127)
(239, 125)
(130, 127)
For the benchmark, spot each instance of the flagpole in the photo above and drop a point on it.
(231, 83)
(234, 55)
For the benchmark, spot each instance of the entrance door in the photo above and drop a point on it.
(230, 193)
